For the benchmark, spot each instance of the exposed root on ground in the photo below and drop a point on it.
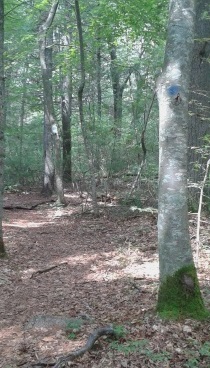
(94, 336)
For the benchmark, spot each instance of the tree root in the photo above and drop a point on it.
(93, 337)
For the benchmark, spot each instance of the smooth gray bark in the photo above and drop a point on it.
(22, 121)
(199, 101)
(173, 94)
(2, 122)
(51, 127)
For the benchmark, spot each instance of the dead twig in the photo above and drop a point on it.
(38, 272)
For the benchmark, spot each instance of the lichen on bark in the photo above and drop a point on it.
(180, 297)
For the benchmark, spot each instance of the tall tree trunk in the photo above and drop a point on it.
(66, 111)
(118, 89)
(179, 293)
(22, 120)
(2, 123)
(51, 128)
(46, 68)
(199, 101)
(81, 110)
(98, 78)
(117, 92)
(66, 99)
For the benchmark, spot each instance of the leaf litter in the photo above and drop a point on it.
(64, 266)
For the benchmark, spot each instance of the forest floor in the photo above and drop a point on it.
(68, 273)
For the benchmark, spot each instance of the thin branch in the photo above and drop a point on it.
(15, 7)
(146, 119)
(199, 213)
(46, 25)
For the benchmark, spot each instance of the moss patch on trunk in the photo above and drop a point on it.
(180, 297)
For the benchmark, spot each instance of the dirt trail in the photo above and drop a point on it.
(64, 265)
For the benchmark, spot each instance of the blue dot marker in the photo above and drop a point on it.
(173, 90)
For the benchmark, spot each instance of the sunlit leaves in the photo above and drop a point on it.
(41, 5)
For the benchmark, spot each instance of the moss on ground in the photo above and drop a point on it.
(180, 297)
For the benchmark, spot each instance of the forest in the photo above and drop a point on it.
(104, 183)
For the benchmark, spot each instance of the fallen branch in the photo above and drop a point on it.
(94, 336)
(26, 208)
(38, 272)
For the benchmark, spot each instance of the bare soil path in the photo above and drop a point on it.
(68, 273)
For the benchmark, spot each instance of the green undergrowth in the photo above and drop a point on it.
(119, 331)
(178, 299)
(141, 347)
(194, 356)
(201, 355)
(73, 328)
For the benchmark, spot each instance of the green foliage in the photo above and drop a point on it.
(71, 336)
(74, 324)
(41, 5)
(114, 17)
(23, 166)
(176, 301)
(73, 327)
(133, 201)
(205, 349)
(198, 356)
(157, 357)
(192, 362)
(139, 346)
(119, 331)
(141, 25)
(130, 346)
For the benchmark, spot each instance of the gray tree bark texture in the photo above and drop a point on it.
(179, 293)
(199, 101)
(81, 110)
(51, 128)
(173, 94)
(2, 122)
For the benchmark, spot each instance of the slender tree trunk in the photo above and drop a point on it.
(51, 128)
(46, 68)
(66, 112)
(66, 100)
(199, 102)
(117, 92)
(118, 89)
(98, 78)
(81, 110)
(22, 120)
(2, 123)
(179, 293)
